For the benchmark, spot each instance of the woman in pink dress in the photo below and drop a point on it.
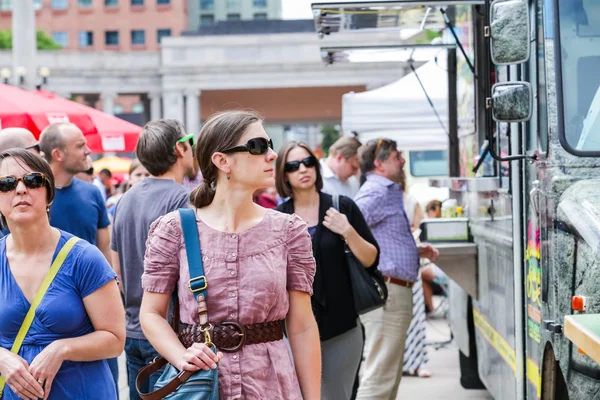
(259, 268)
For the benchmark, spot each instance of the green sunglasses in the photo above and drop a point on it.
(184, 139)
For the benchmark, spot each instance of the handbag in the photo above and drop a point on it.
(39, 296)
(186, 385)
(368, 284)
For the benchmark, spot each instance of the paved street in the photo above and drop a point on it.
(443, 363)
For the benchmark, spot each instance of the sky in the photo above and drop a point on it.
(296, 9)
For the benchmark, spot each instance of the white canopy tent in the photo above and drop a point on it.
(400, 110)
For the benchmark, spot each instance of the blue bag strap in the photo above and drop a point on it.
(198, 282)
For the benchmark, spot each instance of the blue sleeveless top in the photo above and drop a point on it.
(61, 315)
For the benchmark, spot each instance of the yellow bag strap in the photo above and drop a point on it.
(54, 268)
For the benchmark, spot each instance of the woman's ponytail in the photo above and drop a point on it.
(203, 195)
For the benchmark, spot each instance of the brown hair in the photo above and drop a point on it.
(36, 164)
(283, 186)
(433, 205)
(375, 149)
(221, 131)
(156, 145)
(347, 146)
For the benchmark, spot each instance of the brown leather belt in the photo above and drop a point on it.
(399, 282)
(230, 337)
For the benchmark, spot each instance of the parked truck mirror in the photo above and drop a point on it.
(509, 31)
(511, 102)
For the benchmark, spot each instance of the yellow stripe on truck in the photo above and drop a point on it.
(506, 351)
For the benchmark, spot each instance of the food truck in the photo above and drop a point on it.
(523, 122)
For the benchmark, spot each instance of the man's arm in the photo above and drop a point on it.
(116, 266)
(103, 243)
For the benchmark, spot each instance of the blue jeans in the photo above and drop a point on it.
(139, 353)
(113, 364)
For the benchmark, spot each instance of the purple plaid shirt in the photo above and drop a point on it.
(382, 204)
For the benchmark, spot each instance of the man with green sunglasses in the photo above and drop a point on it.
(165, 150)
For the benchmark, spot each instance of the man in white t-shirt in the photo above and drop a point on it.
(341, 167)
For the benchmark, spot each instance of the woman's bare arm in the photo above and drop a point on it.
(153, 318)
(303, 335)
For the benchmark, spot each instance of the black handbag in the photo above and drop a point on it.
(368, 284)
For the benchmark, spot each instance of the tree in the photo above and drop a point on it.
(44, 42)
(330, 135)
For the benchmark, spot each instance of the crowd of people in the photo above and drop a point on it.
(273, 246)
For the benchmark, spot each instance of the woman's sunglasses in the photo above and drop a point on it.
(257, 146)
(293, 166)
(33, 180)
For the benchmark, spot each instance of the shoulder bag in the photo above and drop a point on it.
(29, 317)
(368, 284)
(186, 385)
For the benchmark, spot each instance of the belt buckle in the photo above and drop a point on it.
(242, 334)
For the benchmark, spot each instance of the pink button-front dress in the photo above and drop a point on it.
(249, 275)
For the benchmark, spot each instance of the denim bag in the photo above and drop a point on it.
(185, 385)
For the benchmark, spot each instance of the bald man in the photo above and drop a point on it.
(20, 138)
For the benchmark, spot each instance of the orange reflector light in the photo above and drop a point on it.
(578, 303)
(581, 351)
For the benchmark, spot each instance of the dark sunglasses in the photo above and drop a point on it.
(36, 147)
(293, 166)
(33, 180)
(257, 146)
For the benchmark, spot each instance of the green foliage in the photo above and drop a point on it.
(330, 135)
(5, 40)
(44, 42)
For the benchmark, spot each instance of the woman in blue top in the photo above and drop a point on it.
(79, 323)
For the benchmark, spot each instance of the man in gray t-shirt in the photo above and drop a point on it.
(166, 152)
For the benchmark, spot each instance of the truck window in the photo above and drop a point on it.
(579, 33)
(428, 163)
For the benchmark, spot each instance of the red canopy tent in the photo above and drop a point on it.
(23, 109)
(112, 134)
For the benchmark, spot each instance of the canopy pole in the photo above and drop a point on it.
(412, 67)
(454, 153)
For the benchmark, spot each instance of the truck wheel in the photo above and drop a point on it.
(554, 386)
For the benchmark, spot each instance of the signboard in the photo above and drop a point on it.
(113, 143)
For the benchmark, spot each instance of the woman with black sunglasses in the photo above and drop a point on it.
(258, 266)
(80, 320)
(299, 178)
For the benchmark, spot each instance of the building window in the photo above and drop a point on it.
(60, 4)
(138, 37)
(117, 109)
(137, 108)
(207, 4)
(234, 17)
(233, 4)
(5, 5)
(111, 3)
(161, 33)
(111, 38)
(259, 3)
(37, 4)
(137, 2)
(163, 2)
(86, 39)
(61, 38)
(207, 19)
(260, 16)
(84, 3)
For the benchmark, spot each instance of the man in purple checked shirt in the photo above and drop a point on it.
(381, 201)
